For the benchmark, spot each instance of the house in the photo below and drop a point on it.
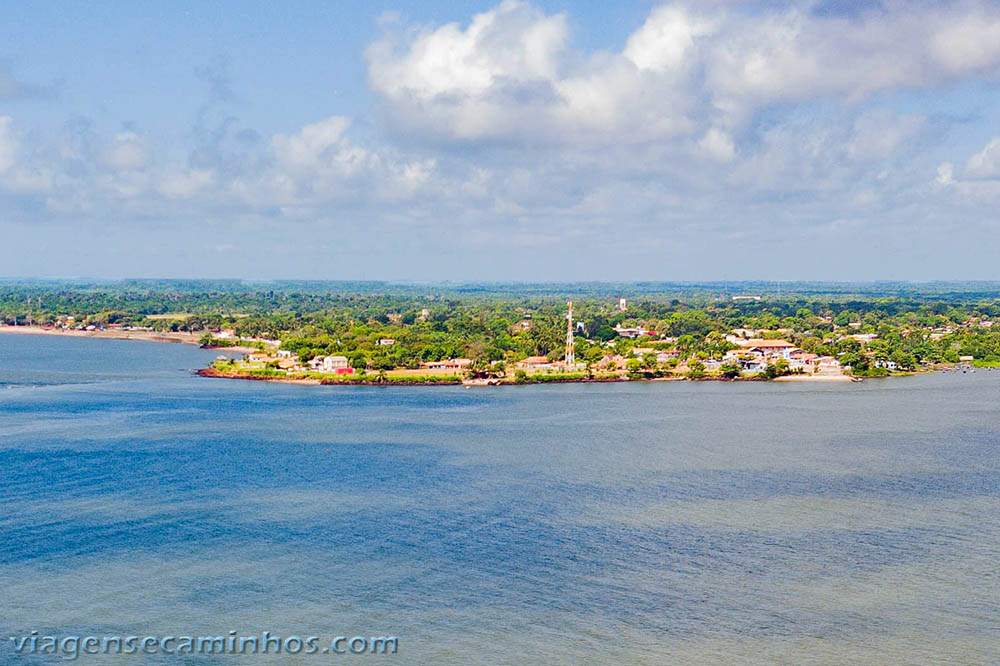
(622, 304)
(534, 363)
(642, 351)
(803, 360)
(448, 364)
(863, 338)
(769, 348)
(630, 332)
(337, 364)
(665, 355)
(386, 342)
(226, 334)
(612, 361)
(828, 365)
(285, 353)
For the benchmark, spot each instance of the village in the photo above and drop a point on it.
(392, 339)
(635, 354)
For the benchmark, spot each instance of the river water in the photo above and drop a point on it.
(634, 523)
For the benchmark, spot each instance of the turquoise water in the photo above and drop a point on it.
(642, 523)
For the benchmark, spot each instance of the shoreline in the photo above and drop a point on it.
(145, 336)
(212, 372)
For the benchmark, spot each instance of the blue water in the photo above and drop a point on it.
(641, 523)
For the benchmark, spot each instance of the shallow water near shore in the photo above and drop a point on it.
(633, 523)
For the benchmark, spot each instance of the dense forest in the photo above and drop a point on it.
(914, 324)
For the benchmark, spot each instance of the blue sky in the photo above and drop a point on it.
(514, 140)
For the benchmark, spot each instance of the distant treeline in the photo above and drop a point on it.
(915, 323)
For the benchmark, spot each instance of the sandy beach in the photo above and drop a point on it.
(813, 378)
(148, 336)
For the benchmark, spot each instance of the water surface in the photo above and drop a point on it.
(637, 523)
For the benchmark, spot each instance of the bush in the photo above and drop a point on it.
(730, 370)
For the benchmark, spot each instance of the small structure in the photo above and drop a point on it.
(768, 348)
(534, 363)
(448, 364)
(630, 332)
(386, 342)
(335, 364)
(665, 355)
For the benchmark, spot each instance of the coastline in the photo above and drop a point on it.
(816, 378)
(212, 372)
(370, 380)
(147, 336)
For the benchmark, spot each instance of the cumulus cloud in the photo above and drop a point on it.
(186, 183)
(128, 151)
(718, 145)
(509, 74)
(665, 39)
(978, 181)
(985, 165)
(707, 121)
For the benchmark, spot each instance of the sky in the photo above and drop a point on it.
(709, 140)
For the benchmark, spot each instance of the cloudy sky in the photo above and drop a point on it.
(544, 140)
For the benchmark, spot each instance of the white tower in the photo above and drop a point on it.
(570, 356)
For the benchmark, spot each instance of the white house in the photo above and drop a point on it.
(328, 363)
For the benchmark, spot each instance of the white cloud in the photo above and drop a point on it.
(186, 183)
(718, 145)
(945, 174)
(879, 133)
(968, 44)
(979, 180)
(511, 75)
(128, 151)
(316, 146)
(665, 39)
(513, 42)
(709, 120)
(985, 164)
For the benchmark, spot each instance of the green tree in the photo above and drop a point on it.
(696, 370)
(730, 370)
